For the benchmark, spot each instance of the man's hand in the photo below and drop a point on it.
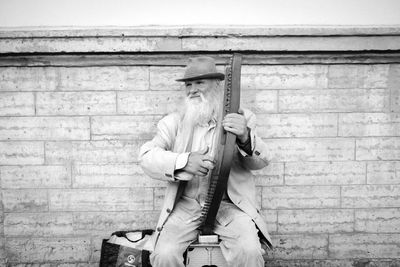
(236, 123)
(199, 163)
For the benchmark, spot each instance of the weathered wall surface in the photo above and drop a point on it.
(75, 106)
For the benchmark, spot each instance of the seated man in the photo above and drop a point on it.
(184, 150)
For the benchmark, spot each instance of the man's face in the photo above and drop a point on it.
(197, 87)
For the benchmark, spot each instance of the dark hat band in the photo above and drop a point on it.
(217, 75)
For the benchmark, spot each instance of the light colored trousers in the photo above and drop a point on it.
(240, 243)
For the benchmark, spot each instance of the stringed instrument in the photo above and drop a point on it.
(225, 150)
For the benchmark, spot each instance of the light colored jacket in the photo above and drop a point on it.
(158, 156)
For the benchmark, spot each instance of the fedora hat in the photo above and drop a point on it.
(201, 68)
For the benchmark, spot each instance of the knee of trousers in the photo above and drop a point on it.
(247, 249)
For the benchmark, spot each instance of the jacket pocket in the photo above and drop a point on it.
(226, 213)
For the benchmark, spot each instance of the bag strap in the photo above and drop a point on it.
(143, 234)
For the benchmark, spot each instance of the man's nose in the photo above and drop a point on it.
(193, 89)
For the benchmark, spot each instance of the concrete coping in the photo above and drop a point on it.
(200, 31)
(184, 39)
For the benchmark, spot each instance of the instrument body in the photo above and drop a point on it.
(226, 148)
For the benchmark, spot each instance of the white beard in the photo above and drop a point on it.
(201, 111)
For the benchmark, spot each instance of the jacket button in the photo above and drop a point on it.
(168, 210)
(159, 229)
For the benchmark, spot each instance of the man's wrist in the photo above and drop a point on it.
(246, 145)
(245, 139)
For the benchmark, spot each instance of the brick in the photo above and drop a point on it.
(48, 249)
(364, 246)
(26, 200)
(14, 153)
(76, 103)
(123, 127)
(369, 124)
(260, 101)
(74, 78)
(60, 152)
(373, 76)
(385, 148)
(3, 255)
(112, 175)
(17, 104)
(258, 197)
(44, 128)
(343, 76)
(98, 152)
(149, 103)
(284, 77)
(325, 173)
(383, 172)
(394, 88)
(29, 79)
(302, 197)
(38, 224)
(377, 220)
(370, 196)
(358, 76)
(35, 177)
(84, 264)
(324, 149)
(271, 218)
(54, 264)
(395, 101)
(270, 175)
(351, 100)
(164, 78)
(99, 222)
(96, 246)
(110, 78)
(315, 221)
(312, 246)
(31, 265)
(121, 199)
(297, 125)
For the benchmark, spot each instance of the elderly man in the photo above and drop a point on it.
(184, 150)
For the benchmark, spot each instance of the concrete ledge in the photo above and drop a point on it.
(195, 39)
(177, 59)
(192, 31)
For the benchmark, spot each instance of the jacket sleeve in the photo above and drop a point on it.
(155, 156)
(259, 157)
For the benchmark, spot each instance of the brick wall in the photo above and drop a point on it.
(75, 106)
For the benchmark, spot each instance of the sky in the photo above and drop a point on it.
(97, 13)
